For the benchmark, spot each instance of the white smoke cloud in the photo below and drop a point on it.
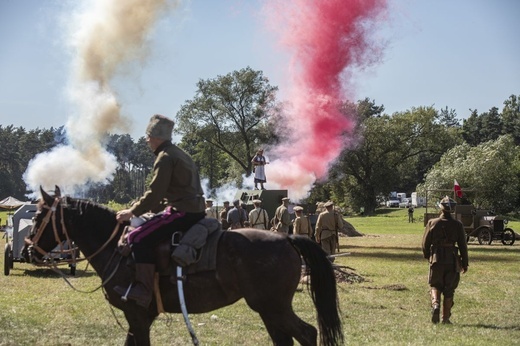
(68, 167)
(105, 36)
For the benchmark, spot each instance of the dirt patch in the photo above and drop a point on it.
(343, 274)
(391, 287)
(346, 274)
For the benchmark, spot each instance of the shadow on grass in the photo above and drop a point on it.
(408, 253)
(491, 326)
(49, 273)
(391, 248)
(404, 256)
(383, 211)
(492, 249)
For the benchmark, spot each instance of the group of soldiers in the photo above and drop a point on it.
(328, 224)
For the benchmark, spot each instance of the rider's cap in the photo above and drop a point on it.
(160, 127)
(447, 204)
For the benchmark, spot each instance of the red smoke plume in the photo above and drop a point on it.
(327, 40)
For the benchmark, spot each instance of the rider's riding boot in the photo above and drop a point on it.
(142, 290)
(436, 304)
(446, 310)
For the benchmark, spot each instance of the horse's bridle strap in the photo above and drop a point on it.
(51, 216)
(45, 221)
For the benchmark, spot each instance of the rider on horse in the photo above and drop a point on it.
(175, 181)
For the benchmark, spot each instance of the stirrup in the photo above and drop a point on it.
(176, 238)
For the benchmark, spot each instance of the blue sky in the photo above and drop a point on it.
(461, 54)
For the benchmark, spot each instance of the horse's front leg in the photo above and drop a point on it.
(139, 323)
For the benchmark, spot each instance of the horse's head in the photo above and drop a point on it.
(48, 229)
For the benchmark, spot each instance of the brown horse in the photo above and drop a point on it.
(261, 267)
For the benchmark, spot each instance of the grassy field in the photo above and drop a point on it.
(390, 308)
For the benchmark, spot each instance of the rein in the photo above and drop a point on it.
(51, 216)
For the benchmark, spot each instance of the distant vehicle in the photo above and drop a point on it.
(405, 203)
(393, 202)
(418, 201)
(482, 224)
(401, 196)
(22, 221)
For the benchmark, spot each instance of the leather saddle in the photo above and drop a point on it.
(200, 241)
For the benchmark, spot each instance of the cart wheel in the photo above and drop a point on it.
(8, 259)
(508, 237)
(485, 236)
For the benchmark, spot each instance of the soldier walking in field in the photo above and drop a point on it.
(441, 236)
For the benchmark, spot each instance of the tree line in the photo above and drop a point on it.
(19, 146)
(230, 116)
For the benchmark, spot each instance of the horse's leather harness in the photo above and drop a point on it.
(51, 216)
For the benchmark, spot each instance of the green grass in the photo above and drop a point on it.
(390, 308)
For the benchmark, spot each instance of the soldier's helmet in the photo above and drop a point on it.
(447, 204)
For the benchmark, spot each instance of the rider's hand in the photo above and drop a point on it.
(124, 215)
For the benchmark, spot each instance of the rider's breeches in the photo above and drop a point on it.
(444, 278)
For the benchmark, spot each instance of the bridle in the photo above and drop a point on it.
(72, 249)
(69, 249)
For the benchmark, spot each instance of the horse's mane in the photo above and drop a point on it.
(82, 206)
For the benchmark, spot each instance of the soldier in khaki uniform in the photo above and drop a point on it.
(258, 217)
(438, 245)
(328, 225)
(223, 215)
(282, 219)
(210, 210)
(301, 224)
(175, 181)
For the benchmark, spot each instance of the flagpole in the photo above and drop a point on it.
(454, 190)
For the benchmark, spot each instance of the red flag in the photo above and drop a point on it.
(457, 189)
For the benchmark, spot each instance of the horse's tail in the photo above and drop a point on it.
(323, 290)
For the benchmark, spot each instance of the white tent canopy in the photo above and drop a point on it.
(10, 203)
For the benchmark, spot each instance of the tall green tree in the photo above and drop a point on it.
(388, 152)
(19, 146)
(471, 128)
(135, 161)
(511, 117)
(233, 115)
(492, 125)
(480, 128)
(448, 117)
(490, 170)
